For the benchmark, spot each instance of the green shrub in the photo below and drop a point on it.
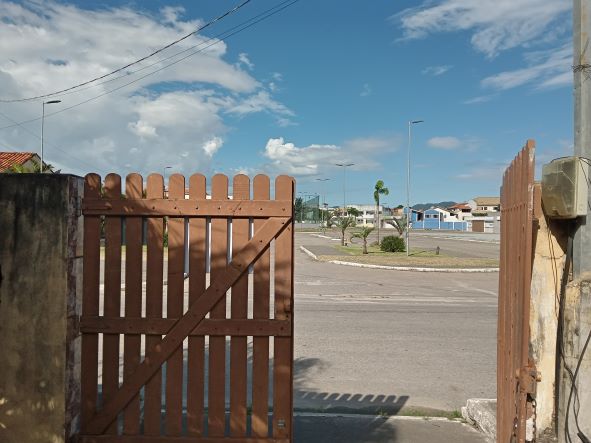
(392, 244)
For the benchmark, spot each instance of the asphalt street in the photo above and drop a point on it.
(370, 338)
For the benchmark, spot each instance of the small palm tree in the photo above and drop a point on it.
(343, 223)
(363, 234)
(379, 189)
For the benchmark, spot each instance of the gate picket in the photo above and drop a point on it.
(90, 304)
(112, 294)
(239, 310)
(197, 284)
(217, 344)
(154, 280)
(283, 349)
(174, 308)
(133, 300)
(261, 306)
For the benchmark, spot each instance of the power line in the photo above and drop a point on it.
(201, 28)
(265, 15)
(210, 39)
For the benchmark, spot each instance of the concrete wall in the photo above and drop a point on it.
(40, 284)
(548, 265)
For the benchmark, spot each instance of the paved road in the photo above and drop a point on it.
(368, 339)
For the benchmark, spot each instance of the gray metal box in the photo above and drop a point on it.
(565, 188)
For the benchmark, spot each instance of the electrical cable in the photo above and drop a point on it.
(201, 28)
(220, 35)
(155, 71)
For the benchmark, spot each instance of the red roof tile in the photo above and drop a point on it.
(8, 159)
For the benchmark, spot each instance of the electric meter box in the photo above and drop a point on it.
(565, 188)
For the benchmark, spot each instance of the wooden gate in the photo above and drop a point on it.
(516, 374)
(170, 335)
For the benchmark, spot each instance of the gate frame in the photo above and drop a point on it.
(273, 220)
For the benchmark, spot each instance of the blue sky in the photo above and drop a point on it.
(318, 83)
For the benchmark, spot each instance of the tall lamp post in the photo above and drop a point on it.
(344, 166)
(322, 182)
(164, 176)
(50, 102)
(408, 213)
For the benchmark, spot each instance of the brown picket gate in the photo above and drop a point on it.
(171, 335)
(516, 373)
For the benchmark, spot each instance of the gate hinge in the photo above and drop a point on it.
(528, 377)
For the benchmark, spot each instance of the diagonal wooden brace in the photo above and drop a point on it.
(159, 353)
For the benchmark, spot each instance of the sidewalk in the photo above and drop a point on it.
(318, 428)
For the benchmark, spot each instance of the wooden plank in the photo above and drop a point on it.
(161, 326)
(147, 439)
(197, 284)
(283, 346)
(217, 344)
(90, 304)
(133, 300)
(239, 311)
(216, 291)
(174, 303)
(154, 281)
(112, 294)
(181, 207)
(261, 305)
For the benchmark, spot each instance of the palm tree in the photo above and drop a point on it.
(363, 234)
(379, 189)
(343, 223)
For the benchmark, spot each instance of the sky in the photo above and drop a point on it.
(315, 84)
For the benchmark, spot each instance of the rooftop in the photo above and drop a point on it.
(9, 159)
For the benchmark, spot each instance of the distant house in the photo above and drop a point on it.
(485, 204)
(367, 215)
(26, 160)
(460, 211)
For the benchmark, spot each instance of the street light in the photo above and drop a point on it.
(50, 102)
(344, 166)
(165, 168)
(322, 181)
(408, 213)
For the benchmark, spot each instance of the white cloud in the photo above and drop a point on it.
(366, 90)
(495, 25)
(365, 153)
(479, 99)
(243, 58)
(446, 143)
(436, 70)
(169, 116)
(212, 146)
(546, 69)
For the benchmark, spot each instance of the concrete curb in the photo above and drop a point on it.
(401, 268)
(482, 413)
(413, 268)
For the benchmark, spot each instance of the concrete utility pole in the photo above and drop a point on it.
(582, 120)
(345, 166)
(574, 397)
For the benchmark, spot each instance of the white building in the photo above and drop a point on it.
(367, 215)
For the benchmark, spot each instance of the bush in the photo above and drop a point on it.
(392, 244)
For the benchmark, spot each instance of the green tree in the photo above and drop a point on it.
(353, 212)
(363, 234)
(343, 223)
(299, 209)
(34, 168)
(379, 189)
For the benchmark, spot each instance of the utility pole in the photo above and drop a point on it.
(408, 210)
(574, 384)
(582, 121)
(345, 166)
(322, 190)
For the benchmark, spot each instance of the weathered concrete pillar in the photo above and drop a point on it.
(40, 285)
(548, 266)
